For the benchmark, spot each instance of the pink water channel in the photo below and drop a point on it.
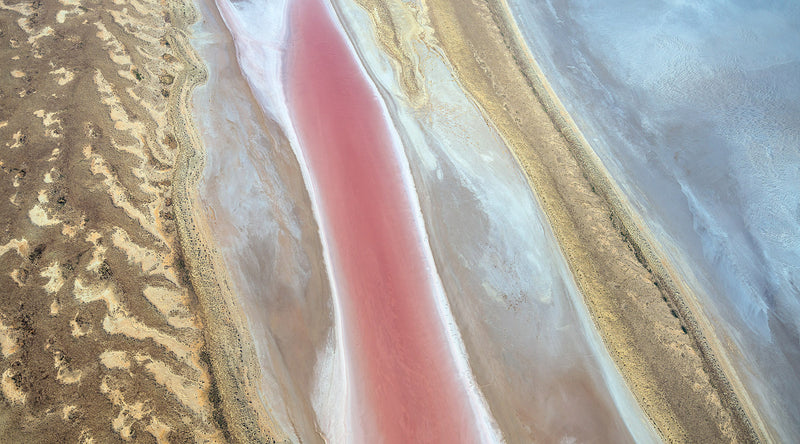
(403, 382)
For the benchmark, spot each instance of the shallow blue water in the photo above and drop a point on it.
(694, 107)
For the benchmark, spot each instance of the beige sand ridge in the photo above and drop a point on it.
(637, 306)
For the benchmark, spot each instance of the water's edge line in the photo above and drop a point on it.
(489, 431)
(282, 117)
(232, 353)
(723, 376)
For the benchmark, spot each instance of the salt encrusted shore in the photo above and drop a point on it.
(635, 232)
(640, 310)
(231, 350)
(627, 285)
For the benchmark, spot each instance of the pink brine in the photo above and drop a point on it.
(403, 382)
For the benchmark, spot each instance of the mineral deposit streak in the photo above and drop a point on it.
(404, 385)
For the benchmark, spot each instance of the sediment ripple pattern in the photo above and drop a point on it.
(100, 330)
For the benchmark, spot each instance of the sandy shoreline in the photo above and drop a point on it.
(231, 348)
(635, 231)
(612, 225)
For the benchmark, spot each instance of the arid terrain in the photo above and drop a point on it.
(333, 221)
(100, 329)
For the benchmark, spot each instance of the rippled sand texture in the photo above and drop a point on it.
(694, 108)
(100, 331)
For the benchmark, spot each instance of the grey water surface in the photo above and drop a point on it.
(694, 108)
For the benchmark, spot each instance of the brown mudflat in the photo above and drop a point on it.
(100, 329)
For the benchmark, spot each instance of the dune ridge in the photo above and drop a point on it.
(489, 58)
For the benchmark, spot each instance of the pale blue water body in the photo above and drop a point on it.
(694, 108)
